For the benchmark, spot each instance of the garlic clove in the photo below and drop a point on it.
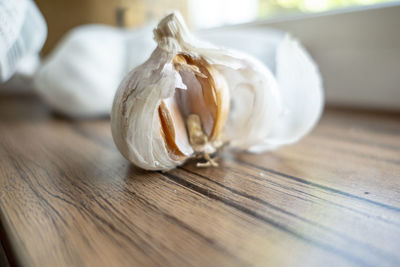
(207, 94)
(135, 120)
(297, 78)
(301, 91)
(174, 129)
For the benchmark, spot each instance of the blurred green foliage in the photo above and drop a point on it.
(270, 8)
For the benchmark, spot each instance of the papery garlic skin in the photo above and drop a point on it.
(135, 123)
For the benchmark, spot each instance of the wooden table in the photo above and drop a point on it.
(68, 198)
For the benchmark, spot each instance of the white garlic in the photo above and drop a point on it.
(189, 98)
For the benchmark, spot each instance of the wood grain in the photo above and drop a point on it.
(68, 198)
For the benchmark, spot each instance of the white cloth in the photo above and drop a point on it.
(80, 77)
(22, 35)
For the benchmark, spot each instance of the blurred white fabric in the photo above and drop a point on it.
(22, 35)
(80, 77)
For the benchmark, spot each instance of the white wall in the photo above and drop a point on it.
(358, 52)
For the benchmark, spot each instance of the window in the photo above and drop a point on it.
(223, 12)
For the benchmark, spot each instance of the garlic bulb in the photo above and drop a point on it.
(190, 98)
